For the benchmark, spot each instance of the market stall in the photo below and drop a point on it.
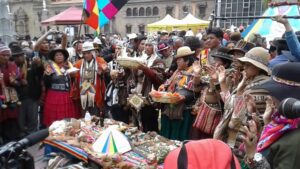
(70, 16)
(168, 23)
(191, 22)
(108, 143)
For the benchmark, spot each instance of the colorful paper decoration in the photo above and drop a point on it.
(111, 142)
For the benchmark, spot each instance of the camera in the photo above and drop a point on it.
(13, 155)
(290, 108)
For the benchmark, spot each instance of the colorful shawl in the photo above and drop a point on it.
(275, 130)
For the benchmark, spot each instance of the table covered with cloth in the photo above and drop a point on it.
(76, 137)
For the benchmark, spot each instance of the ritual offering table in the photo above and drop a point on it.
(113, 145)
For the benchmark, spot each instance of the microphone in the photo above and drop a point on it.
(290, 108)
(25, 142)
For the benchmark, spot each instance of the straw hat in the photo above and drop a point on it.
(184, 51)
(259, 57)
(87, 46)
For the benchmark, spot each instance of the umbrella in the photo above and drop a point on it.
(271, 29)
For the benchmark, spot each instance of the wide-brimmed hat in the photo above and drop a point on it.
(162, 46)
(222, 52)
(259, 57)
(54, 51)
(217, 155)
(16, 50)
(87, 46)
(284, 82)
(242, 46)
(97, 41)
(184, 51)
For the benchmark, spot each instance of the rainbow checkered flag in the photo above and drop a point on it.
(98, 13)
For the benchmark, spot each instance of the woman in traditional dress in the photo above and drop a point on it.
(209, 107)
(58, 103)
(244, 101)
(176, 119)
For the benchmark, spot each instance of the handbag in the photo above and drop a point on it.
(208, 116)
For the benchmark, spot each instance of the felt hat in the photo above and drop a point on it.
(284, 82)
(184, 51)
(259, 57)
(242, 46)
(162, 46)
(87, 46)
(16, 50)
(54, 51)
(222, 52)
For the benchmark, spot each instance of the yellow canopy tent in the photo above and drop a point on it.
(168, 23)
(191, 22)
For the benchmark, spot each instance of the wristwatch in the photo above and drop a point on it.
(255, 161)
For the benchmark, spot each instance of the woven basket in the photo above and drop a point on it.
(128, 62)
(164, 97)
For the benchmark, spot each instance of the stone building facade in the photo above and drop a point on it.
(133, 17)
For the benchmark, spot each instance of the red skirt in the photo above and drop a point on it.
(58, 105)
(8, 113)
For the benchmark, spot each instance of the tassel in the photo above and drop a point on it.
(83, 99)
(91, 99)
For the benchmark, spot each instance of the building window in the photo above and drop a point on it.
(142, 12)
(142, 28)
(135, 12)
(148, 11)
(185, 9)
(128, 12)
(128, 29)
(169, 10)
(155, 11)
(202, 9)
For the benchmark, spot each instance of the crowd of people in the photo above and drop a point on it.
(230, 88)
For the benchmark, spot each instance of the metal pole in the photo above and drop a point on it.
(218, 12)
(256, 17)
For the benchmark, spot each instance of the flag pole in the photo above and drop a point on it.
(81, 22)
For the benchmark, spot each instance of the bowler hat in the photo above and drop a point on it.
(284, 82)
(222, 52)
(184, 51)
(16, 50)
(242, 46)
